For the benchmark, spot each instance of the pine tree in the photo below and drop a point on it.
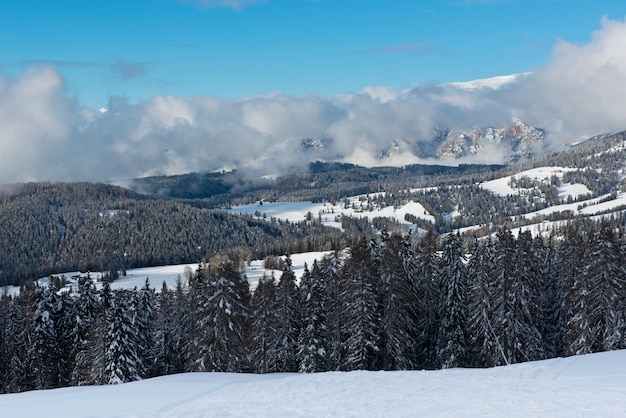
(597, 304)
(501, 296)
(427, 302)
(453, 332)
(19, 376)
(263, 320)
(361, 320)
(483, 346)
(145, 301)
(121, 361)
(551, 298)
(45, 349)
(221, 343)
(582, 336)
(83, 318)
(92, 373)
(65, 328)
(394, 293)
(330, 271)
(313, 340)
(283, 346)
(524, 297)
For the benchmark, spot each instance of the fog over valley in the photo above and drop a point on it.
(48, 135)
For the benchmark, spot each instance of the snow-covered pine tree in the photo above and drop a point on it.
(262, 322)
(582, 334)
(94, 361)
(330, 271)
(524, 298)
(313, 340)
(172, 330)
(121, 361)
(453, 339)
(65, 329)
(394, 295)
(304, 286)
(361, 320)
(198, 301)
(427, 302)
(145, 316)
(85, 311)
(598, 304)
(165, 352)
(222, 338)
(44, 350)
(501, 296)
(551, 297)
(18, 376)
(283, 346)
(569, 259)
(483, 347)
(607, 264)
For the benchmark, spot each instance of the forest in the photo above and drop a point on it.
(391, 302)
(52, 228)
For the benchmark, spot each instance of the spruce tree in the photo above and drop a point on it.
(313, 353)
(483, 346)
(427, 302)
(44, 350)
(121, 360)
(222, 324)
(145, 301)
(361, 320)
(262, 323)
(453, 331)
(283, 346)
(395, 305)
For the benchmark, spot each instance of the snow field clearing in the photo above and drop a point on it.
(170, 274)
(356, 207)
(501, 186)
(592, 385)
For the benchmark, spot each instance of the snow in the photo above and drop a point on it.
(493, 83)
(590, 385)
(584, 207)
(255, 270)
(356, 206)
(170, 274)
(501, 186)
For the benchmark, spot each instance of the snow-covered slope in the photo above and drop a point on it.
(592, 386)
(136, 278)
(330, 214)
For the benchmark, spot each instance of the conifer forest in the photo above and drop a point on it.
(473, 278)
(391, 302)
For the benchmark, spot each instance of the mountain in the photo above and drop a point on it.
(516, 140)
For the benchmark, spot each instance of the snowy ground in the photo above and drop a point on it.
(356, 207)
(502, 185)
(170, 274)
(589, 386)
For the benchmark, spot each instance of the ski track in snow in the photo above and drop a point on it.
(591, 386)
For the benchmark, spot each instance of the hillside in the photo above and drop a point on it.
(52, 228)
(590, 385)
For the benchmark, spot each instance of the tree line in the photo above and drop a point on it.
(388, 303)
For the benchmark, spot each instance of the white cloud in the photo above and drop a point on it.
(581, 91)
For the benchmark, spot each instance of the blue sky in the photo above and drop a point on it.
(137, 49)
(206, 85)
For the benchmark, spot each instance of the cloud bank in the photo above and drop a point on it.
(44, 135)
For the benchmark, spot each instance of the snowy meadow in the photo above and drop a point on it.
(591, 386)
